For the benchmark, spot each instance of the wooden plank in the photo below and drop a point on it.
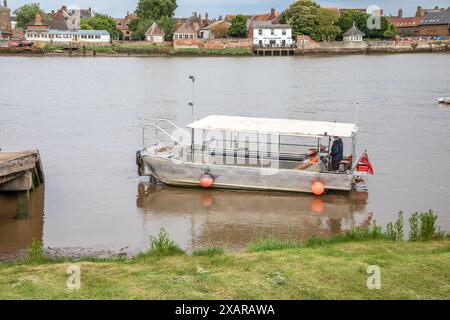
(16, 168)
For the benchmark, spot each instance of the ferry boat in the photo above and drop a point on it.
(252, 154)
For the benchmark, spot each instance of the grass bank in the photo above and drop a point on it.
(269, 269)
(145, 50)
(116, 49)
(409, 270)
(212, 52)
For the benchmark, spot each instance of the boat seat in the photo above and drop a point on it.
(344, 165)
(281, 156)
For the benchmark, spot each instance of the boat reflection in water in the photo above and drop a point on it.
(18, 230)
(233, 219)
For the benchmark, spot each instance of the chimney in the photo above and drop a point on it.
(273, 12)
(400, 13)
(419, 12)
(38, 21)
(206, 16)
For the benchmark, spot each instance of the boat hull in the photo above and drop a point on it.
(178, 173)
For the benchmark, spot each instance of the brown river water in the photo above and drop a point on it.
(85, 115)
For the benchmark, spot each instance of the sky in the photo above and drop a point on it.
(119, 8)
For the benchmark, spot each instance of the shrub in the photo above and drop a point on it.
(428, 228)
(162, 245)
(414, 232)
(313, 241)
(36, 251)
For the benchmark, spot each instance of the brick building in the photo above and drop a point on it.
(435, 24)
(405, 26)
(5, 21)
(422, 12)
(123, 25)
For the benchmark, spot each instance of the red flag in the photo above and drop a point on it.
(365, 163)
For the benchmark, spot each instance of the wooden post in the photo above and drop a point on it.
(84, 49)
(22, 205)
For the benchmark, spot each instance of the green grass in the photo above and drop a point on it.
(409, 270)
(212, 52)
(213, 251)
(149, 49)
(122, 49)
(270, 269)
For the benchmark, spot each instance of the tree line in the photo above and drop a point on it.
(306, 17)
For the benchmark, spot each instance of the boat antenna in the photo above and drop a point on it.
(192, 104)
(356, 113)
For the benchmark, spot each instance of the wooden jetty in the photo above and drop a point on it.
(20, 171)
(274, 51)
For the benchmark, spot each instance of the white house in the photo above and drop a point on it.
(267, 34)
(155, 34)
(353, 35)
(67, 36)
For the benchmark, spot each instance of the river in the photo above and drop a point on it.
(85, 116)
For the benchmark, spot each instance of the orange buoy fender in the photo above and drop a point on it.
(206, 181)
(318, 188)
(317, 206)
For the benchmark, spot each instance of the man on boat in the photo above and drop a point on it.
(337, 152)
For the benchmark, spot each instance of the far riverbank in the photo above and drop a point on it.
(146, 50)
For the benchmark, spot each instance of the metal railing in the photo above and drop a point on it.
(158, 130)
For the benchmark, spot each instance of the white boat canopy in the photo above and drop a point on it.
(286, 127)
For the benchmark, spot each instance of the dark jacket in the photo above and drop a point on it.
(337, 150)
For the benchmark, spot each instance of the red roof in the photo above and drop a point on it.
(405, 22)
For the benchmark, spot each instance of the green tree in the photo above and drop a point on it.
(156, 9)
(167, 24)
(139, 27)
(26, 14)
(361, 20)
(307, 17)
(390, 31)
(101, 22)
(347, 19)
(327, 29)
(238, 27)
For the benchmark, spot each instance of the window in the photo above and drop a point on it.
(272, 32)
(186, 36)
(283, 32)
(191, 36)
(260, 32)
